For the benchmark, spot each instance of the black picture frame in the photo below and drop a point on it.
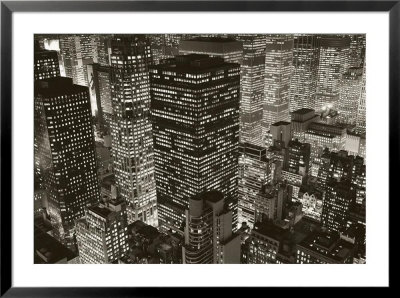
(9, 7)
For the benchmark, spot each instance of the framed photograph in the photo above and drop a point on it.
(196, 144)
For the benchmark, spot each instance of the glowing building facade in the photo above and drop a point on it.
(252, 75)
(131, 133)
(278, 71)
(255, 171)
(66, 152)
(350, 95)
(101, 234)
(195, 112)
(333, 63)
(303, 82)
(208, 232)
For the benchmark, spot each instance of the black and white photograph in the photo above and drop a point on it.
(200, 148)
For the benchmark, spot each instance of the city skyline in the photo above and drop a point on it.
(200, 148)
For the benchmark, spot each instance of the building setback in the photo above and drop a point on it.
(195, 112)
(66, 151)
(131, 135)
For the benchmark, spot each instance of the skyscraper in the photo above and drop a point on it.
(350, 95)
(194, 105)
(339, 197)
(252, 88)
(131, 134)
(361, 111)
(208, 232)
(278, 71)
(46, 64)
(333, 63)
(102, 236)
(303, 82)
(77, 51)
(66, 151)
(99, 77)
(255, 171)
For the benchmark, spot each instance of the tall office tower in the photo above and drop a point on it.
(195, 112)
(255, 171)
(278, 71)
(103, 45)
(46, 64)
(102, 235)
(324, 248)
(350, 95)
(300, 121)
(66, 151)
(229, 49)
(339, 197)
(77, 51)
(321, 136)
(361, 111)
(131, 132)
(208, 232)
(357, 50)
(303, 82)
(252, 73)
(333, 63)
(100, 92)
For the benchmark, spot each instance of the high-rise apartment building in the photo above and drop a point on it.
(278, 72)
(255, 171)
(66, 152)
(131, 131)
(333, 63)
(195, 112)
(208, 232)
(102, 236)
(303, 82)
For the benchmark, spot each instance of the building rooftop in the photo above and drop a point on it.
(48, 250)
(328, 245)
(212, 196)
(194, 63)
(303, 111)
(57, 86)
(279, 123)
